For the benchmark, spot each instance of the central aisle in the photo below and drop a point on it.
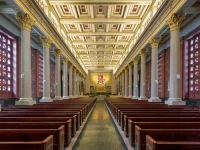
(100, 132)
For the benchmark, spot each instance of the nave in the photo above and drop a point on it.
(100, 132)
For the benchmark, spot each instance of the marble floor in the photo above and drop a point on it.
(99, 133)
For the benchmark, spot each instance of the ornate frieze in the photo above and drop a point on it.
(155, 41)
(25, 21)
(174, 22)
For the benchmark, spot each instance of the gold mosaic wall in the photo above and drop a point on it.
(100, 82)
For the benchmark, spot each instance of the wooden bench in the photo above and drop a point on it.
(42, 114)
(46, 144)
(160, 125)
(164, 135)
(152, 144)
(39, 125)
(158, 114)
(33, 135)
(82, 115)
(44, 119)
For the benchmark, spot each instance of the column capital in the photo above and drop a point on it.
(46, 42)
(155, 41)
(57, 52)
(143, 52)
(135, 60)
(25, 21)
(174, 22)
(65, 60)
(129, 65)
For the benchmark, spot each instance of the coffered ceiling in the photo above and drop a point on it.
(100, 32)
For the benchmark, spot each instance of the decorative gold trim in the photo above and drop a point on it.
(174, 22)
(46, 42)
(143, 53)
(65, 60)
(57, 52)
(155, 41)
(25, 21)
(136, 60)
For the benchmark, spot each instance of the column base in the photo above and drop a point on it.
(175, 101)
(142, 98)
(81, 93)
(25, 101)
(65, 97)
(125, 96)
(71, 96)
(135, 97)
(130, 96)
(154, 99)
(119, 94)
(46, 99)
(57, 98)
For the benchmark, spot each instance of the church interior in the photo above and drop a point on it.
(99, 75)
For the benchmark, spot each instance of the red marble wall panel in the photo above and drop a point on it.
(148, 79)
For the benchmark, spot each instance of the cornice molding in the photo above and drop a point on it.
(41, 20)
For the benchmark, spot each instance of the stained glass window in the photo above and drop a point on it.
(194, 65)
(6, 74)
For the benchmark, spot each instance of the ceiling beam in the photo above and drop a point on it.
(99, 34)
(100, 43)
(94, 50)
(100, 20)
(100, 2)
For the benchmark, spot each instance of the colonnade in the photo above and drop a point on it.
(75, 75)
(174, 23)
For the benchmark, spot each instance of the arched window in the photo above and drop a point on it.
(194, 67)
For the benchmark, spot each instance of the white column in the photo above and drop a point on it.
(143, 76)
(130, 80)
(174, 94)
(78, 80)
(154, 70)
(26, 90)
(46, 69)
(126, 83)
(58, 52)
(123, 83)
(135, 81)
(75, 85)
(70, 80)
(65, 77)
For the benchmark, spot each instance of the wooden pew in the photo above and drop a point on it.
(160, 125)
(46, 144)
(164, 135)
(71, 125)
(39, 125)
(34, 135)
(82, 115)
(42, 114)
(133, 110)
(152, 144)
(158, 114)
